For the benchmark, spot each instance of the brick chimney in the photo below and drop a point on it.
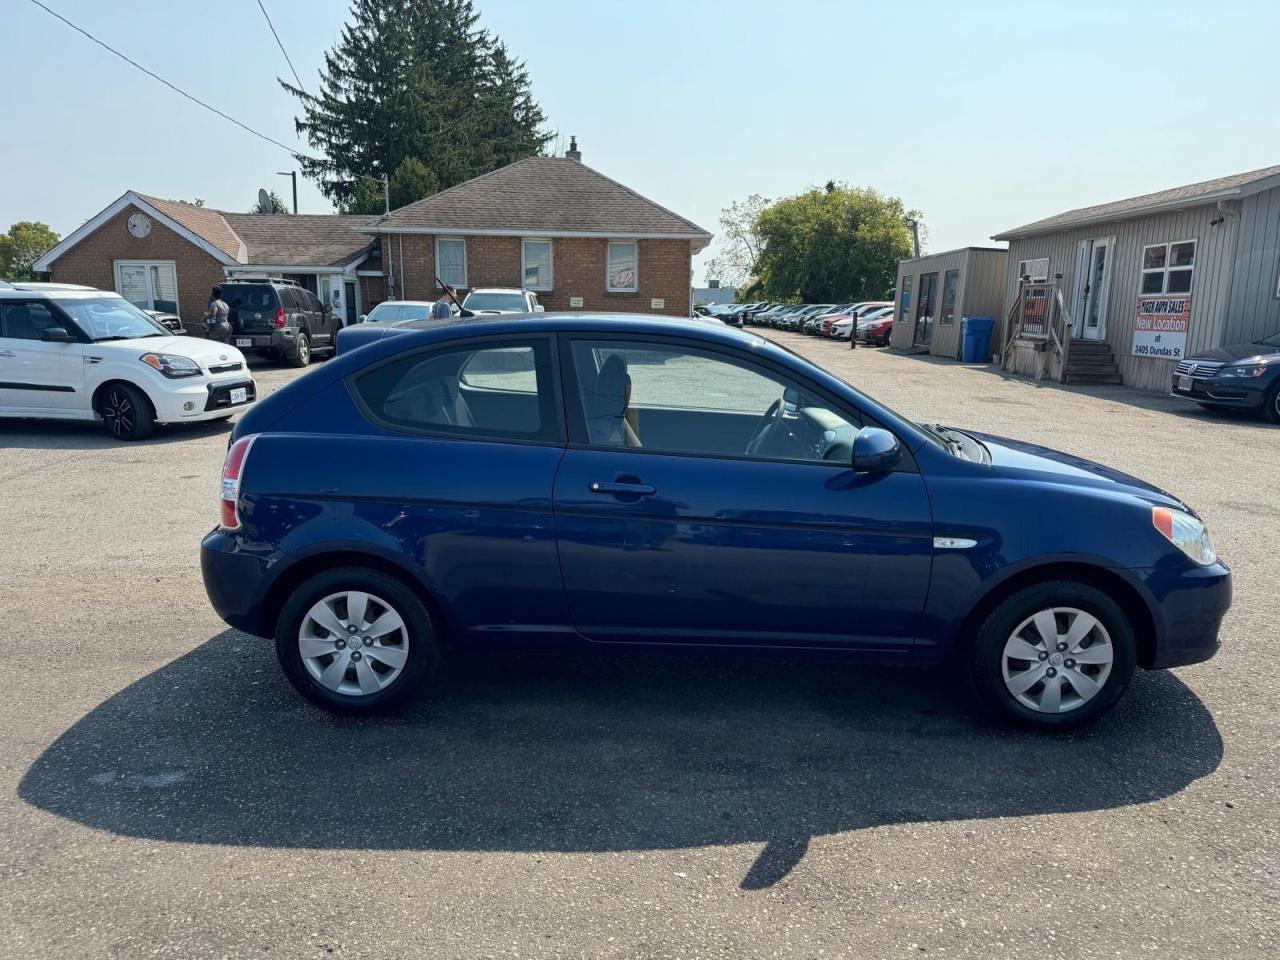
(573, 153)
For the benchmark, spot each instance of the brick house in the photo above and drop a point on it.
(552, 225)
(549, 224)
(166, 255)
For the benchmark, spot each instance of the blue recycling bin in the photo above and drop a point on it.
(977, 339)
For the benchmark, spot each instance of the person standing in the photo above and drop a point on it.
(443, 309)
(217, 326)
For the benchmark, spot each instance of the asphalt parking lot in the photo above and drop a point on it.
(165, 794)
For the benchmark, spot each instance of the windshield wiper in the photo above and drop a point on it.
(119, 336)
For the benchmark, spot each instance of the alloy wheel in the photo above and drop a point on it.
(1057, 660)
(119, 413)
(353, 643)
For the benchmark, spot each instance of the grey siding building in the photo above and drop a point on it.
(1160, 276)
(937, 291)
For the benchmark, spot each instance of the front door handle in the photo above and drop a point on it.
(7, 353)
(634, 489)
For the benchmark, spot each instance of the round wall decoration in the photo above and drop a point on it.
(139, 225)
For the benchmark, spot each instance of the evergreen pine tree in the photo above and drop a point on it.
(415, 79)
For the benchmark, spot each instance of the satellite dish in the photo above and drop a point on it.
(264, 202)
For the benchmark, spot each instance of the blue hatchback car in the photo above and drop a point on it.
(623, 481)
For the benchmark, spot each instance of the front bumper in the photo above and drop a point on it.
(1240, 392)
(1189, 605)
(203, 399)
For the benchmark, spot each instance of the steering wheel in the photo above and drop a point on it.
(766, 421)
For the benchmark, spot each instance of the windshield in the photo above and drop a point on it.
(495, 301)
(111, 318)
(1271, 341)
(877, 314)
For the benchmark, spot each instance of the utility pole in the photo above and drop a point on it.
(292, 175)
(386, 195)
(914, 224)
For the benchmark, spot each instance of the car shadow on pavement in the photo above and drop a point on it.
(575, 753)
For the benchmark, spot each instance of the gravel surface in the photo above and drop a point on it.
(167, 795)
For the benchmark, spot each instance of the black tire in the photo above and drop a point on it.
(1271, 406)
(126, 412)
(987, 653)
(301, 350)
(423, 640)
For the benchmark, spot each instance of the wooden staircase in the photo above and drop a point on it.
(1091, 361)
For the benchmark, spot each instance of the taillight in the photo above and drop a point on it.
(232, 471)
(280, 320)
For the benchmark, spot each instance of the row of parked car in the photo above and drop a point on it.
(871, 321)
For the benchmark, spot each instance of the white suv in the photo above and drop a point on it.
(487, 301)
(75, 353)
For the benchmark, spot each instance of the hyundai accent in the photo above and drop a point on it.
(619, 482)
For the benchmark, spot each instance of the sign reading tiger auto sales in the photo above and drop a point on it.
(1162, 325)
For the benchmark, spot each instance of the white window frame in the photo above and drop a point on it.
(635, 288)
(115, 276)
(439, 273)
(1164, 271)
(548, 285)
(1024, 270)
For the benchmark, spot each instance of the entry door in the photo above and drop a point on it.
(1091, 289)
(706, 500)
(925, 309)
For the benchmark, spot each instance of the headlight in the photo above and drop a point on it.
(171, 365)
(1249, 370)
(1186, 533)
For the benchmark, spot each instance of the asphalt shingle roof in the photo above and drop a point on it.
(543, 195)
(1221, 188)
(203, 221)
(317, 240)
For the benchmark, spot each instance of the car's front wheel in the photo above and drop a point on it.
(1054, 655)
(127, 412)
(1271, 406)
(355, 640)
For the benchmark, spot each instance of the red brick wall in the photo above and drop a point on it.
(92, 261)
(373, 290)
(577, 270)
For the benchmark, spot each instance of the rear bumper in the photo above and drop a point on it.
(236, 582)
(281, 342)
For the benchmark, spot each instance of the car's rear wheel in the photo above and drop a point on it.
(302, 350)
(1054, 655)
(355, 640)
(127, 412)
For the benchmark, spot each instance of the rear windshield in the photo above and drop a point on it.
(495, 301)
(255, 297)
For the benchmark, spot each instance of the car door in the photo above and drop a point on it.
(38, 374)
(708, 498)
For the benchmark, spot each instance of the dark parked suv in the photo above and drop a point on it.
(279, 319)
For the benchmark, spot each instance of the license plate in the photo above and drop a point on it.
(239, 395)
(1184, 383)
(243, 342)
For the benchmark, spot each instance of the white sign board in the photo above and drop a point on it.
(1160, 330)
(656, 304)
(575, 302)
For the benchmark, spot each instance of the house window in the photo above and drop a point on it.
(622, 272)
(535, 264)
(1167, 267)
(950, 284)
(451, 261)
(149, 284)
(1037, 270)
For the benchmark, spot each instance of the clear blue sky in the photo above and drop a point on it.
(982, 115)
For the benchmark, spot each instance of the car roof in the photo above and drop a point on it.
(407, 303)
(524, 323)
(516, 290)
(61, 290)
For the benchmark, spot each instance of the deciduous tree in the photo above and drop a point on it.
(25, 243)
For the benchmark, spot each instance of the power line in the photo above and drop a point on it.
(178, 90)
(281, 46)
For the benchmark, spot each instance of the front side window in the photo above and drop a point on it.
(499, 391)
(677, 399)
(151, 285)
(535, 264)
(950, 284)
(623, 268)
(451, 261)
(26, 321)
(1167, 267)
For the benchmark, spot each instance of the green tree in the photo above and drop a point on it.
(277, 204)
(415, 79)
(739, 245)
(25, 243)
(831, 244)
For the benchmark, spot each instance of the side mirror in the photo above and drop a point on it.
(55, 335)
(362, 318)
(875, 450)
(539, 309)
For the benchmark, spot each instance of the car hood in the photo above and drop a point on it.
(1236, 351)
(1016, 458)
(197, 348)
